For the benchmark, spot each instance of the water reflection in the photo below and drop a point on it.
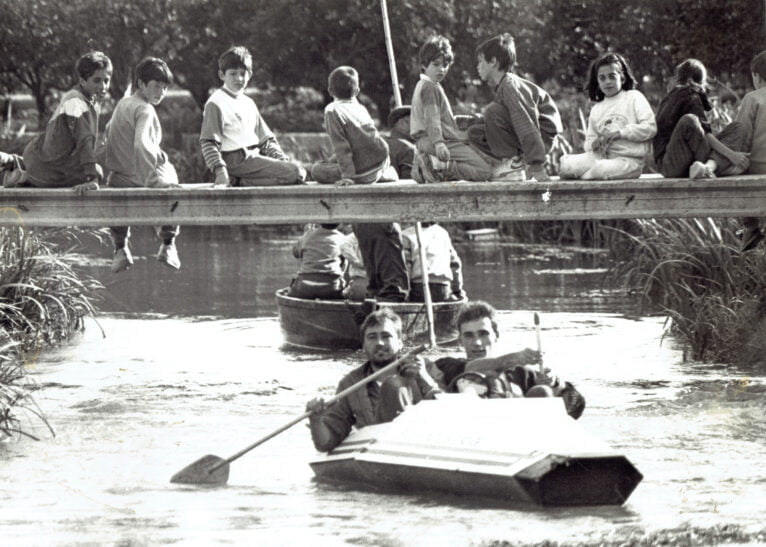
(234, 271)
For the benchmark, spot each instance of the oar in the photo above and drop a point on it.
(539, 345)
(213, 470)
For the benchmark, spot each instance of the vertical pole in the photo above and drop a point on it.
(418, 230)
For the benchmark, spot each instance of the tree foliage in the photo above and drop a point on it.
(297, 43)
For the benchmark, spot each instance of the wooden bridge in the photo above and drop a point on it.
(202, 204)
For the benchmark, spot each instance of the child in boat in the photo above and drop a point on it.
(620, 126)
(443, 152)
(519, 125)
(445, 276)
(236, 142)
(134, 157)
(322, 265)
(360, 152)
(64, 155)
(401, 149)
(752, 116)
(684, 143)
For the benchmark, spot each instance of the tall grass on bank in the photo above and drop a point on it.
(714, 296)
(42, 303)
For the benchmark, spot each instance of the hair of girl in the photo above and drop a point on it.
(593, 89)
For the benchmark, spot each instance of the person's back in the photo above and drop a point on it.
(445, 278)
(320, 274)
(401, 148)
(360, 153)
(65, 153)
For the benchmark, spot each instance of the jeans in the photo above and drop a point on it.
(250, 168)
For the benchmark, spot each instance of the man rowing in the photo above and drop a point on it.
(509, 375)
(384, 398)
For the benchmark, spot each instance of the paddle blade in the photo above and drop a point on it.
(206, 470)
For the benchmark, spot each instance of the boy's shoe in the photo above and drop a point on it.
(509, 170)
(122, 259)
(751, 237)
(699, 170)
(424, 172)
(168, 255)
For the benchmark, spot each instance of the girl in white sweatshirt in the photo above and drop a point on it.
(621, 125)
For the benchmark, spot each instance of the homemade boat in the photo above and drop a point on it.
(334, 324)
(526, 451)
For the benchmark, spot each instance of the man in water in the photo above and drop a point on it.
(380, 400)
(509, 375)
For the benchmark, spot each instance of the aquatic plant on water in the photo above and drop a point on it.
(714, 296)
(42, 303)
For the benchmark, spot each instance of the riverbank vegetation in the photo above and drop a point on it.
(43, 302)
(714, 296)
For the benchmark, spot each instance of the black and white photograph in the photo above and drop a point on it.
(387, 273)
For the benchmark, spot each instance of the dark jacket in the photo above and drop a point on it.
(682, 99)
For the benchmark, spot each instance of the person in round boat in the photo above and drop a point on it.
(496, 376)
(382, 399)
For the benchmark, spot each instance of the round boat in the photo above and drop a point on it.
(334, 324)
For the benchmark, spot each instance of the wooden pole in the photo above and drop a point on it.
(418, 230)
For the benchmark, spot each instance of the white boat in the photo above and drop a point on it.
(514, 450)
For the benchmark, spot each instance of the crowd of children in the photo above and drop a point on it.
(510, 141)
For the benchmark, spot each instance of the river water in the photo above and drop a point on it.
(183, 364)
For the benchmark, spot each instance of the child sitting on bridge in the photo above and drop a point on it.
(134, 157)
(445, 276)
(235, 140)
(620, 126)
(401, 148)
(360, 153)
(64, 155)
(684, 143)
(321, 271)
(752, 116)
(522, 120)
(443, 149)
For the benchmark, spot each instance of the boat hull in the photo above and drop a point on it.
(454, 445)
(334, 324)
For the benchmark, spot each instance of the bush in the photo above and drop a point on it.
(714, 296)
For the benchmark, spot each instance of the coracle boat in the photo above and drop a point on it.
(334, 324)
(519, 451)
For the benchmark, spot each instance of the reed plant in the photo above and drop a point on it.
(692, 270)
(43, 301)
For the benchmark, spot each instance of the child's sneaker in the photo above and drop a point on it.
(424, 172)
(168, 255)
(122, 260)
(509, 170)
(699, 170)
(751, 237)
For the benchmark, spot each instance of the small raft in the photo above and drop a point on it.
(334, 324)
(526, 451)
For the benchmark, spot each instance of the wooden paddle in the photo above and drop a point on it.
(213, 470)
(539, 345)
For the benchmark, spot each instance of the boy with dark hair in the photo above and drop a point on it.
(360, 153)
(752, 115)
(401, 149)
(361, 157)
(236, 142)
(521, 121)
(65, 153)
(443, 152)
(134, 156)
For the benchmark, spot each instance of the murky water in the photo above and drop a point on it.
(191, 363)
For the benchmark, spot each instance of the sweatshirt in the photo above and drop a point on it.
(630, 113)
(358, 146)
